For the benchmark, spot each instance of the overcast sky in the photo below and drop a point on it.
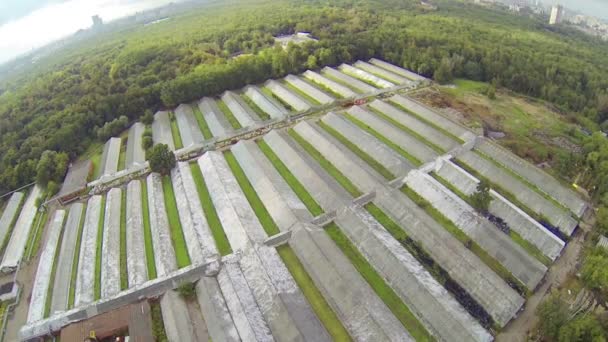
(28, 24)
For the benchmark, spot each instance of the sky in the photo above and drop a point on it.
(29, 24)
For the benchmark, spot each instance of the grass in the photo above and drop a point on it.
(415, 161)
(221, 241)
(524, 181)
(158, 325)
(76, 258)
(322, 87)
(262, 114)
(382, 289)
(310, 203)
(425, 259)
(177, 137)
(228, 114)
(301, 93)
(384, 172)
(252, 197)
(428, 122)
(148, 233)
(271, 95)
(332, 170)
(470, 244)
(12, 224)
(202, 124)
(320, 306)
(98, 249)
(96, 160)
(49, 290)
(408, 130)
(36, 232)
(526, 245)
(177, 235)
(122, 157)
(124, 280)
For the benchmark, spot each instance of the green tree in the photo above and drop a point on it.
(594, 272)
(147, 118)
(51, 167)
(161, 159)
(584, 328)
(480, 200)
(491, 92)
(443, 74)
(553, 314)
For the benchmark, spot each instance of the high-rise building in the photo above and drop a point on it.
(97, 21)
(557, 14)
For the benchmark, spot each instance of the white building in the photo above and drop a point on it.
(557, 15)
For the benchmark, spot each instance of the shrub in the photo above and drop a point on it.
(161, 159)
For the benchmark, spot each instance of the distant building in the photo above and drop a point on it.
(97, 21)
(298, 38)
(557, 15)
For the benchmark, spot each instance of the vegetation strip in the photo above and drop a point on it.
(177, 137)
(202, 124)
(407, 130)
(384, 172)
(428, 122)
(124, 279)
(158, 325)
(228, 114)
(415, 161)
(323, 87)
(470, 244)
(332, 170)
(318, 303)
(122, 157)
(252, 197)
(525, 181)
(526, 245)
(76, 258)
(460, 294)
(301, 93)
(382, 289)
(98, 249)
(262, 114)
(36, 231)
(49, 291)
(177, 235)
(271, 95)
(310, 203)
(221, 240)
(147, 232)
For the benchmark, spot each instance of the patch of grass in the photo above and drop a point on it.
(122, 157)
(252, 197)
(221, 241)
(158, 325)
(124, 279)
(526, 245)
(96, 160)
(271, 95)
(425, 259)
(301, 93)
(76, 258)
(177, 137)
(98, 249)
(382, 289)
(228, 114)
(326, 315)
(202, 124)
(310, 203)
(262, 114)
(470, 244)
(415, 161)
(525, 181)
(384, 172)
(49, 290)
(428, 122)
(408, 130)
(147, 232)
(11, 225)
(322, 87)
(332, 170)
(177, 235)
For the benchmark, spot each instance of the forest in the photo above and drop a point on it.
(74, 97)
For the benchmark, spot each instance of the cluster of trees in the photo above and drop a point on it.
(134, 72)
(112, 128)
(51, 169)
(558, 323)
